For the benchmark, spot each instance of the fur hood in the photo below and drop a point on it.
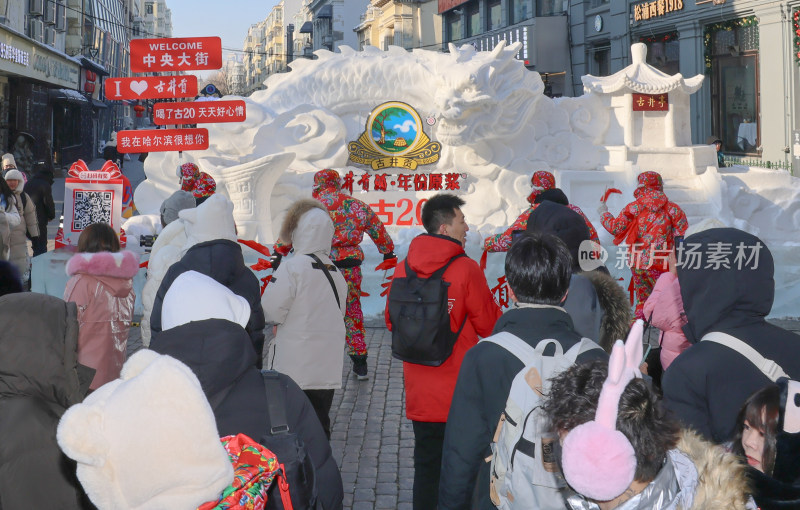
(722, 480)
(293, 215)
(123, 264)
(615, 303)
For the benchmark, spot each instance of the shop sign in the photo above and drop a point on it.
(22, 57)
(149, 87)
(394, 138)
(650, 10)
(650, 102)
(176, 54)
(162, 140)
(12, 54)
(199, 112)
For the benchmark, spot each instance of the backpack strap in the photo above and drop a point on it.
(766, 366)
(515, 345)
(320, 265)
(276, 403)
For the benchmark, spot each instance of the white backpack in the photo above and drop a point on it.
(525, 473)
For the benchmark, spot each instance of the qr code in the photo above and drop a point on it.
(91, 207)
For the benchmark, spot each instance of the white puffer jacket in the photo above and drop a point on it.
(309, 344)
(210, 220)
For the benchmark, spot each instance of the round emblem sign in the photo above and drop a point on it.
(394, 128)
(598, 23)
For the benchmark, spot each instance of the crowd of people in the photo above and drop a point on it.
(544, 405)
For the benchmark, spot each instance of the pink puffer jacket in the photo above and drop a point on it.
(666, 306)
(101, 284)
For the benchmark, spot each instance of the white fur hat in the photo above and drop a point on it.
(147, 441)
(194, 296)
(8, 159)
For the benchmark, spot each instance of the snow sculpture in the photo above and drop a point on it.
(496, 127)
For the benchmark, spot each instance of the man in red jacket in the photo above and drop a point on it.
(429, 390)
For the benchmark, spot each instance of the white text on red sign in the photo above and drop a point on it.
(175, 54)
(147, 87)
(162, 140)
(199, 112)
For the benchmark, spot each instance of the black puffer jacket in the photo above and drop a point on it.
(222, 357)
(40, 189)
(222, 260)
(39, 379)
(480, 396)
(708, 383)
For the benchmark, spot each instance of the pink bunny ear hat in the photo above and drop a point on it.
(598, 460)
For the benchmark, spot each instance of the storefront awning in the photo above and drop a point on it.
(98, 104)
(93, 66)
(307, 28)
(68, 95)
(326, 11)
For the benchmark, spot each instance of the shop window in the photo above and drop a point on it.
(148, 8)
(473, 21)
(454, 26)
(663, 52)
(552, 7)
(520, 10)
(495, 14)
(732, 60)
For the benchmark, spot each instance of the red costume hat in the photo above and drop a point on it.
(541, 181)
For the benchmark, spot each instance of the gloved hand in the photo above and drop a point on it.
(276, 261)
(389, 262)
(602, 208)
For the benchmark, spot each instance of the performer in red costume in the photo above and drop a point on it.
(541, 181)
(352, 218)
(648, 227)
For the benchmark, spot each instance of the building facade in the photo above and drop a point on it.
(539, 25)
(407, 24)
(747, 50)
(333, 22)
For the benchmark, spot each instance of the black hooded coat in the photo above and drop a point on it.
(707, 384)
(222, 260)
(221, 355)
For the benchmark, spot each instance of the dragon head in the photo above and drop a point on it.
(480, 97)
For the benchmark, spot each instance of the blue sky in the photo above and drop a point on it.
(227, 19)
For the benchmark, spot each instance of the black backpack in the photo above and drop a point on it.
(290, 451)
(419, 313)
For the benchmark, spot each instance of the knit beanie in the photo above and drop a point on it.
(15, 174)
(175, 203)
(147, 441)
(194, 296)
(8, 159)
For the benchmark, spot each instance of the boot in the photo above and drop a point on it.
(360, 366)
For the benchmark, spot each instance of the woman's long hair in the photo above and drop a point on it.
(761, 412)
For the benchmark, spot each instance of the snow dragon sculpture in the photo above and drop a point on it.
(486, 109)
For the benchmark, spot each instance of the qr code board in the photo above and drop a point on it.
(91, 207)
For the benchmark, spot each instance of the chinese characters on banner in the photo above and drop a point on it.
(648, 10)
(148, 87)
(402, 182)
(176, 54)
(191, 112)
(162, 140)
(650, 102)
